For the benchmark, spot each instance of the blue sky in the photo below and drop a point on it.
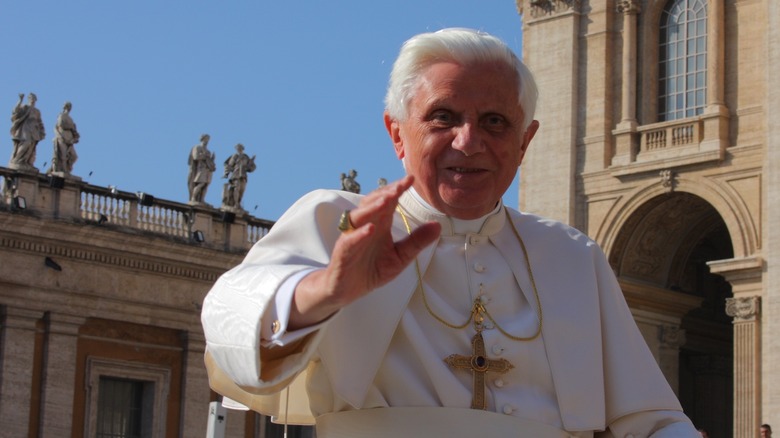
(299, 83)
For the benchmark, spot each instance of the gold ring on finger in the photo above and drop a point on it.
(345, 224)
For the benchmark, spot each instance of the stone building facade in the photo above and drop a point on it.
(100, 290)
(659, 139)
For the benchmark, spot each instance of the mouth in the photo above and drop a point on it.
(466, 169)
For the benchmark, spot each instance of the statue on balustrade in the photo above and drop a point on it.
(26, 131)
(66, 137)
(236, 169)
(348, 182)
(202, 165)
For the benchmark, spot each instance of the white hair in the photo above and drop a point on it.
(461, 46)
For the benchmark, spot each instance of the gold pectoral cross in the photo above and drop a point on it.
(479, 364)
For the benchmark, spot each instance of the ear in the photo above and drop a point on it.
(527, 137)
(394, 130)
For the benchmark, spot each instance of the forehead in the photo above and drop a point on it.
(488, 86)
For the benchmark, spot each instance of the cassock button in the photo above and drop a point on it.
(508, 409)
(498, 350)
(474, 240)
(276, 326)
(499, 383)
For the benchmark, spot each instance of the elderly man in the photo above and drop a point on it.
(427, 307)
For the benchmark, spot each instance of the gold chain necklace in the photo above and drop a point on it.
(478, 310)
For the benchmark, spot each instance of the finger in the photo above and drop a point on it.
(423, 236)
(380, 204)
(353, 244)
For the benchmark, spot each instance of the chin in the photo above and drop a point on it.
(473, 207)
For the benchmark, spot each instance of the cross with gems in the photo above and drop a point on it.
(479, 365)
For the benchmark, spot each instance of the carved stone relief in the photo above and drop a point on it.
(668, 179)
(628, 7)
(672, 337)
(743, 309)
(544, 8)
(649, 247)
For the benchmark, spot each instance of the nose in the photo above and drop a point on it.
(467, 139)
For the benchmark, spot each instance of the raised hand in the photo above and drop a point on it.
(363, 259)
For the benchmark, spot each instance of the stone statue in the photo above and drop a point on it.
(236, 169)
(202, 164)
(348, 182)
(66, 136)
(26, 131)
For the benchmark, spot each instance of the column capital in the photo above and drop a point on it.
(628, 7)
(743, 309)
(64, 324)
(17, 317)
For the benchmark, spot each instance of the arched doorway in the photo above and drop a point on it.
(665, 245)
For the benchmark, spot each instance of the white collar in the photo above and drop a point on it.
(418, 208)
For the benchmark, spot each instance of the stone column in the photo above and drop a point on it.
(630, 9)
(715, 53)
(672, 338)
(17, 367)
(745, 276)
(747, 362)
(59, 374)
(625, 133)
(196, 394)
(716, 114)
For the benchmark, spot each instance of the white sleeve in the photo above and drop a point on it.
(242, 306)
(654, 424)
(278, 312)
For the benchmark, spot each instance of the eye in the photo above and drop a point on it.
(441, 117)
(494, 122)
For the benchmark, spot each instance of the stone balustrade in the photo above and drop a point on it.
(72, 199)
(666, 135)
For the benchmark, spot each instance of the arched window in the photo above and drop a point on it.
(682, 71)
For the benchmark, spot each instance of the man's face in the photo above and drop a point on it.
(462, 139)
(765, 433)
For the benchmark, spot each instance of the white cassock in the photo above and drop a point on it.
(590, 370)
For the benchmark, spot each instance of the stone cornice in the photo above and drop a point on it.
(652, 298)
(120, 260)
